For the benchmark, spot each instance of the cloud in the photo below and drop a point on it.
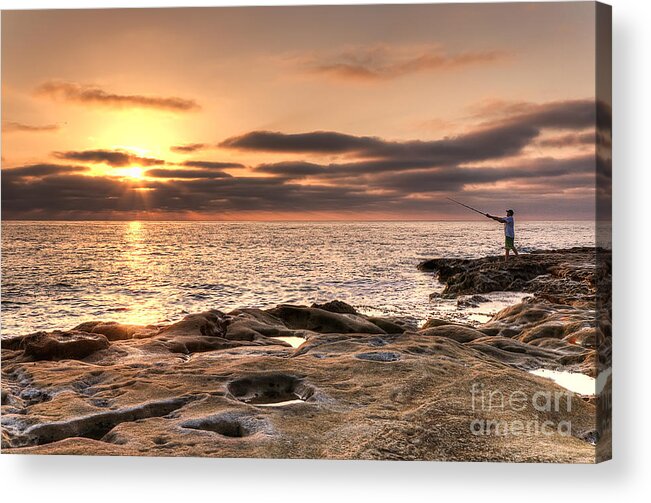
(303, 169)
(382, 63)
(491, 108)
(185, 173)
(293, 169)
(188, 148)
(41, 170)
(70, 196)
(212, 164)
(490, 140)
(551, 174)
(110, 157)
(569, 140)
(50, 196)
(320, 142)
(66, 193)
(92, 95)
(17, 127)
(570, 114)
(417, 177)
(488, 165)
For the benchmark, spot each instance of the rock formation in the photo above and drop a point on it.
(359, 387)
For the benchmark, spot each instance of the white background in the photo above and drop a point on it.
(99, 479)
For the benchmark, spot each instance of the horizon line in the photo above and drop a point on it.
(6, 220)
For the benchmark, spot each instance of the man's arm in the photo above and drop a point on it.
(497, 219)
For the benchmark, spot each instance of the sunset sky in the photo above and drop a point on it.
(362, 112)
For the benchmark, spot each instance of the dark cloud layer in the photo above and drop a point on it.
(115, 158)
(41, 170)
(72, 193)
(569, 140)
(489, 141)
(186, 173)
(412, 178)
(92, 95)
(213, 193)
(212, 164)
(485, 166)
(547, 172)
(293, 169)
(320, 142)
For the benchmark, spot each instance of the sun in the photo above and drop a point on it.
(125, 173)
(133, 172)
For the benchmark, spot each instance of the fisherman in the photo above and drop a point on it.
(509, 233)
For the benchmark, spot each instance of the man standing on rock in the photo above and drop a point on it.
(509, 233)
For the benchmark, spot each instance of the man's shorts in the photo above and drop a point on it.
(508, 243)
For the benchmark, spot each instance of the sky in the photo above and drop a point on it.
(302, 113)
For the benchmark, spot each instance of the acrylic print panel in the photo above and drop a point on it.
(344, 232)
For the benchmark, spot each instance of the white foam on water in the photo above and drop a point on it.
(476, 315)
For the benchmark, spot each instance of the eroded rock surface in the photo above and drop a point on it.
(564, 324)
(559, 276)
(359, 387)
(58, 345)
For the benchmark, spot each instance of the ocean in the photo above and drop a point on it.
(56, 275)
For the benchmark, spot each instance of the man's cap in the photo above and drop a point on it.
(510, 211)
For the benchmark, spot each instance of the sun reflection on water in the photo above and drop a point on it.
(134, 260)
(135, 244)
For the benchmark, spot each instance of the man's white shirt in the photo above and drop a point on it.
(509, 229)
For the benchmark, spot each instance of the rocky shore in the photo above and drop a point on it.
(326, 381)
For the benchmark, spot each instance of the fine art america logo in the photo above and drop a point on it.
(495, 411)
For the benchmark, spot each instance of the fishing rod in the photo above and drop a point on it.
(466, 206)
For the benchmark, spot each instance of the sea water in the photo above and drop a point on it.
(59, 274)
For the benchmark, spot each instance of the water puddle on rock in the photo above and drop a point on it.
(270, 390)
(291, 340)
(575, 382)
(279, 404)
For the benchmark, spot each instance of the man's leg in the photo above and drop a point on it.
(508, 246)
